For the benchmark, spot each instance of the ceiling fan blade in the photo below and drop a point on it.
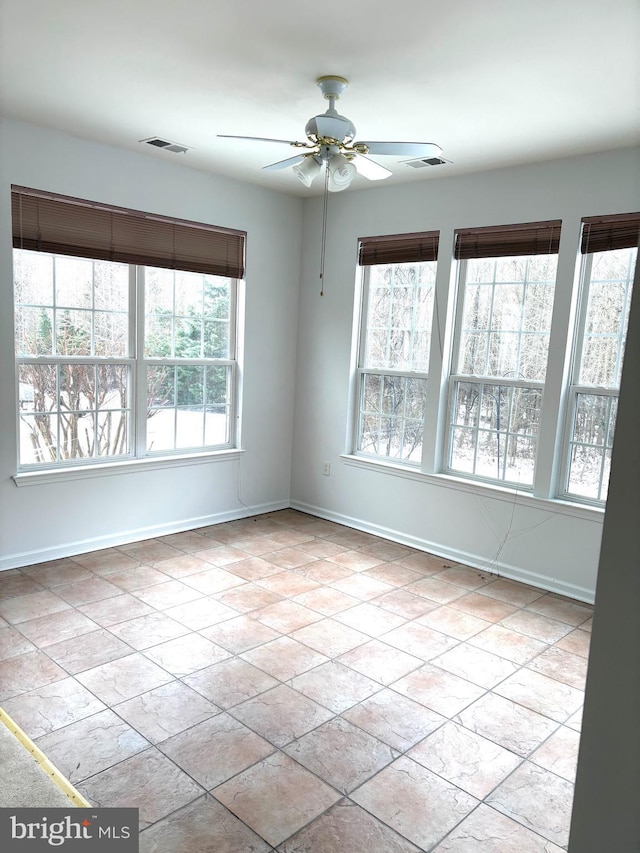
(370, 169)
(403, 149)
(284, 164)
(260, 139)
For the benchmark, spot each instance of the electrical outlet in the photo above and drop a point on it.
(326, 469)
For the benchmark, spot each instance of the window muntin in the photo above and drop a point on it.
(80, 353)
(607, 283)
(500, 362)
(396, 337)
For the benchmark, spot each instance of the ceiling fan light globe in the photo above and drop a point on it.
(307, 170)
(341, 173)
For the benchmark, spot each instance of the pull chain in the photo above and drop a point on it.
(324, 226)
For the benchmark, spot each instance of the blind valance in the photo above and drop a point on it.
(46, 222)
(603, 233)
(399, 248)
(529, 238)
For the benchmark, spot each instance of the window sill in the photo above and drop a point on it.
(505, 493)
(128, 466)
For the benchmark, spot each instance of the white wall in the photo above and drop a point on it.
(547, 545)
(45, 521)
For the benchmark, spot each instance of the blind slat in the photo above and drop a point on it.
(529, 238)
(399, 248)
(45, 222)
(604, 233)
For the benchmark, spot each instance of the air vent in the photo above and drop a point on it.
(428, 161)
(166, 145)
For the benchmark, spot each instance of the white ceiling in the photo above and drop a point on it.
(494, 82)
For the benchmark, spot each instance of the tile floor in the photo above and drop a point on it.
(285, 683)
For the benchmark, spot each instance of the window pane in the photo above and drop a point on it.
(494, 431)
(591, 444)
(73, 282)
(399, 316)
(38, 439)
(33, 331)
(504, 298)
(392, 416)
(161, 430)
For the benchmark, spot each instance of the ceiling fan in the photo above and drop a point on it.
(330, 144)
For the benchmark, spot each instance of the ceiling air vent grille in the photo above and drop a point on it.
(166, 145)
(428, 161)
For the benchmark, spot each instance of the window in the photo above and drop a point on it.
(398, 298)
(125, 332)
(506, 280)
(609, 256)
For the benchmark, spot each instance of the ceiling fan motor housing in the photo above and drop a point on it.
(330, 125)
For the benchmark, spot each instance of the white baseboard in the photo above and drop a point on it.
(496, 567)
(81, 546)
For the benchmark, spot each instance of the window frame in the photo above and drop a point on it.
(137, 366)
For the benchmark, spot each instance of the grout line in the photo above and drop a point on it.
(50, 769)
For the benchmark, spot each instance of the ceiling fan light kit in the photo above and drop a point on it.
(330, 143)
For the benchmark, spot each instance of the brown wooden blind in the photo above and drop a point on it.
(603, 233)
(399, 248)
(529, 238)
(45, 222)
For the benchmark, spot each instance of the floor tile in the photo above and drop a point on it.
(321, 549)
(48, 708)
(188, 541)
(213, 580)
(281, 714)
(12, 585)
(418, 640)
(537, 799)
(370, 619)
(326, 601)
(324, 572)
(124, 678)
(466, 759)
(146, 631)
(394, 719)
(31, 606)
(563, 666)
(160, 596)
(556, 607)
(484, 607)
(488, 831)
(348, 828)
(95, 648)
(335, 686)
(216, 749)
(13, 643)
(536, 625)
(288, 584)
(357, 561)
(107, 560)
(386, 550)
(59, 572)
(284, 658)
(231, 682)
(361, 587)
(286, 616)
(203, 826)
(575, 721)
(166, 711)
(542, 694)
(201, 613)
(185, 655)
(276, 797)
(46, 630)
(330, 637)
(289, 558)
(239, 634)
(342, 754)
(512, 592)
(393, 574)
(27, 671)
(479, 667)
(436, 590)
(443, 692)
(414, 801)
(405, 604)
(184, 565)
(507, 723)
(380, 661)
(254, 568)
(86, 591)
(577, 642)
(120, 608)
(426, 564)
(248, 597)
(508, 644)
(464, 577)
(151, 551)
(559, 753)
(89, 746)
(148, 781)
(138, 577)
